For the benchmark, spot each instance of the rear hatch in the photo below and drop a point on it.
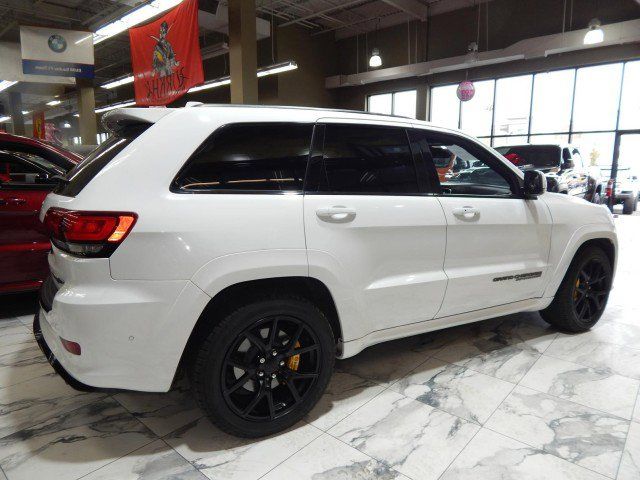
(79, 232)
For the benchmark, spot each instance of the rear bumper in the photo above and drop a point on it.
(53, 360)
(132, 333)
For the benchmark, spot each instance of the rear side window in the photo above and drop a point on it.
(365, 159)
(80, 175)
(249, 157)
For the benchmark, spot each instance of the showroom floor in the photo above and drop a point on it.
(506, 398)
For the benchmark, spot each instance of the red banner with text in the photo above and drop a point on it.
(165, 55)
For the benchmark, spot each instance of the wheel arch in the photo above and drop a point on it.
(228, 299)
(605, 240)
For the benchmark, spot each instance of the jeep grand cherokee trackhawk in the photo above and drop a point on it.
(253, 245)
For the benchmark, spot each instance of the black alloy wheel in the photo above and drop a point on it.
(582, 296)
(270, 368)
(591, 290)
(263, 366)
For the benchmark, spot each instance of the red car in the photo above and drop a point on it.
(27, 171)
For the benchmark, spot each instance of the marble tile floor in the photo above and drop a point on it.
(508, 398)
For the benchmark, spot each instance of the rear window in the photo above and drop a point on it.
(79, 176)
(532, 156)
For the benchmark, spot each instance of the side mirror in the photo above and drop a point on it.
(535, 183)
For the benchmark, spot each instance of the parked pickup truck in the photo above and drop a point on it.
(563, 166)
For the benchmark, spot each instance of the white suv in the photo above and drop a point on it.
(253, 245)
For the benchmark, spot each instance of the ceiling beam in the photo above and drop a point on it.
(411, 7)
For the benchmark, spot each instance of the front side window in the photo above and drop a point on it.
(249, 157)
(466, 168)
(366, 159)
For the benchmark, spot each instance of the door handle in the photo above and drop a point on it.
(17, 201)
(336, 214)
(466, 213)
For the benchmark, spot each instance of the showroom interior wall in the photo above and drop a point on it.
(449, 35)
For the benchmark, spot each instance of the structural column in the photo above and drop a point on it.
(87, 111)
(243, 51)
(422, 101)
(15, 110)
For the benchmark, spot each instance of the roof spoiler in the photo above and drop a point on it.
(119, 118)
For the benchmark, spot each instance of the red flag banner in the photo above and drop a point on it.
(165, 55)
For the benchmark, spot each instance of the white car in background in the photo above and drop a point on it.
(254, 245)
(626, 191)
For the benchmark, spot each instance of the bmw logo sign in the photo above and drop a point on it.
(57, 43)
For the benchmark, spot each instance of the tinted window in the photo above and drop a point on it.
(41, 152)
(534, 156)
(19, 170)
(367, 159)
(261, 157)
(80, 175)
(466, 168)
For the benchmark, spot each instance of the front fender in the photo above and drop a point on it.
(565, 255)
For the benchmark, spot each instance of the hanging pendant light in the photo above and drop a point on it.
(595, 34)
(375, 60)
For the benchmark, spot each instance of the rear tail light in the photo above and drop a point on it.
(88, 234)
(609, 190)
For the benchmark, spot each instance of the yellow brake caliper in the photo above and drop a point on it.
(575, 292)
(294, 362)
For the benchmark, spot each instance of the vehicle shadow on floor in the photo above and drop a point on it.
(18, 304)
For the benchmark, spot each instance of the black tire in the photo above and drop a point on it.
(627, 206)
(567, 312)
(215, 366)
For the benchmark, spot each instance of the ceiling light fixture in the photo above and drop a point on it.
(277, 68)
(128, 103)
(375, 60)
(132, 18)
(4, 119)
(218, 82)
(4, 84)
(53, 103)
(26, 112)
(117, 82)
(472, 52)
(262, 72)
(595, 34)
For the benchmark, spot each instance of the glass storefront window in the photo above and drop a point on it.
(404, 103)
(513, 102)
(552, 99)
(630, 102)
(549, 139)
(380, 103)
(445, 106)
(629, 161)
(478, 112)
(397, 103)
(596, 148)
(596, 101)
(507, 141)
